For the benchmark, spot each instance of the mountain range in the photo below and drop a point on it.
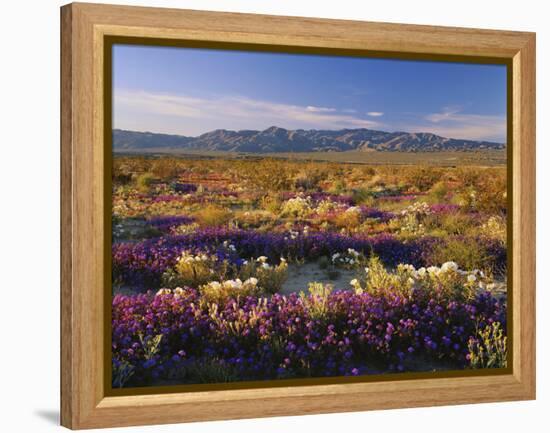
(275, 139)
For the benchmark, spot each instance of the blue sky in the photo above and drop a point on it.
(192, 91)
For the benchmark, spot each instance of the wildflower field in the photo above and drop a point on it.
(243, 269)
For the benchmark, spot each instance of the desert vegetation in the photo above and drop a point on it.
(270, 268)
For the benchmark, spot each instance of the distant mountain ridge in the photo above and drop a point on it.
(275, 139)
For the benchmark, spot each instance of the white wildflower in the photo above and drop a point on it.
(163, 292)
(353, 209)
(233, 284)
(251, 281)
(449, 266)
(215, 285)
(433, 270)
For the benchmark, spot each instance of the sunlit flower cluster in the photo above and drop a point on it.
(327, 206)
(418, 209)
(189, 258)
(448, 278)
(298, 207)
(349, 258)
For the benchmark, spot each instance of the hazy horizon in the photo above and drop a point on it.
(183, 91)
(145, 131)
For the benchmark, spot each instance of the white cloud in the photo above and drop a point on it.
(451, 122)
(191, 115)
(447, 113)
(320, 109)
(187, 115)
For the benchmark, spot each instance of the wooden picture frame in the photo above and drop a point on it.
(84, 29)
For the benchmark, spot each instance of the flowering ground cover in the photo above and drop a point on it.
(413, 265)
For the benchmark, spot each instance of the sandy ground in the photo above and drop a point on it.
(299, 276)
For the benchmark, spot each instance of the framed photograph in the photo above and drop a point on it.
(267, 216)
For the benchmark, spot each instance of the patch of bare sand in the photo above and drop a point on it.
(299, 277)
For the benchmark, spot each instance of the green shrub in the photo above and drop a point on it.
(219, 292)
(271, 203)
(362, 196)
(266, 174)
(165, 168)
(349, 219)
(439, 191)
(194, 270)
(488, 348)
(309, 179)
(467, 252)
(270, 278)
(378, 280)
(492, 195)
(448, 280)
(317, 302)
(150, 345)
(213, 216)
(144, 181)
(423, 178)
(450, 224)
(254, 218)
(122, 372)
(206, 370)
(339, 187)
(297, 207)
(495, 228)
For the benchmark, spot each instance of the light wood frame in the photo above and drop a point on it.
(84, 403)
